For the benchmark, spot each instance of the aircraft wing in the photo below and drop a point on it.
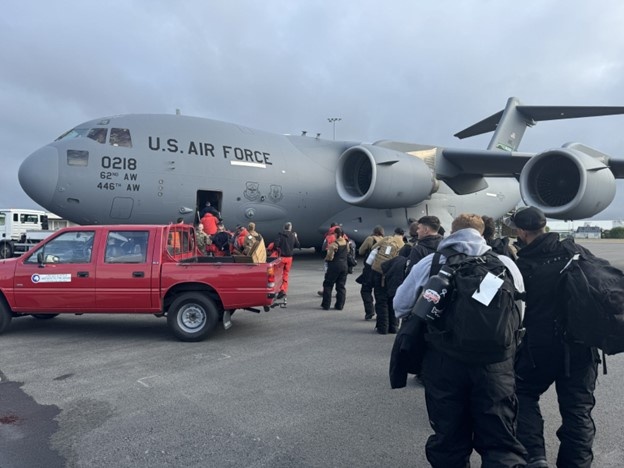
(489, 163)
(617, 167)
(452, 162)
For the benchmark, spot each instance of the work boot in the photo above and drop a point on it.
(326, 302)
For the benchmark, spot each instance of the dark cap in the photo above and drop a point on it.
(528, 219)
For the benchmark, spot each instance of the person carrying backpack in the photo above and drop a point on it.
(257, 250)
(427, 232)
(500, 245)
(221, 242)
(365, 279)
(386, 249)
(336, 274)
(545, 357)
(468, 364)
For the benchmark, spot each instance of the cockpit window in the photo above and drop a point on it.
(98, 134)
(120, 137)
(77, 158)
(73, 133)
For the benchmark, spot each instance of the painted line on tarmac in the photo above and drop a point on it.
(144, 378)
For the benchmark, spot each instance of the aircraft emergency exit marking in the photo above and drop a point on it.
(200, 148)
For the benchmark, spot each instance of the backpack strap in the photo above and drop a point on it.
(570, 246)
(448, 253)
(435, 264)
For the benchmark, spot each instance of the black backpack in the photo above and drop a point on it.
(222, 241)
(468, 329)
(500, 245)
(592, 301)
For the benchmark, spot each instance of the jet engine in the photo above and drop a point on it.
(375, 177)
(567, 183)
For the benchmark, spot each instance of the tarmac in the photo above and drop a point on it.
(297, 386)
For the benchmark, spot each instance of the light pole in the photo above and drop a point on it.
(333, 120)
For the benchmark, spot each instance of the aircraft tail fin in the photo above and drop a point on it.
(510, 124)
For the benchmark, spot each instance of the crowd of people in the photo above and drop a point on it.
(483, 401)
(488, 402)
(214, 239)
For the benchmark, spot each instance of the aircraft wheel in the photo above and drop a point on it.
(192, 316)
(5, 250)
(44, 316)
(5, 316)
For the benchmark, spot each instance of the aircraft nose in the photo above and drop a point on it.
(38, 175)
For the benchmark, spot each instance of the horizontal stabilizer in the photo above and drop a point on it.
(534, 114)
(485, 126)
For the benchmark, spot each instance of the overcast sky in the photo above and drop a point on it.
(409, 70)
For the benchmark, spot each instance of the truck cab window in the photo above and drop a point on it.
(29, 218)
(69, 247)
(126, 247)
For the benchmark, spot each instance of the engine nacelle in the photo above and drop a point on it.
(375, 177)
(566, 183)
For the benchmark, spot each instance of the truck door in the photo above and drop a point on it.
(124, 274)
(64, 281)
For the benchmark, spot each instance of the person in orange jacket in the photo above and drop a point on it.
(210, 222)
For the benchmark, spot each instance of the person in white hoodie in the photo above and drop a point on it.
(470, 405)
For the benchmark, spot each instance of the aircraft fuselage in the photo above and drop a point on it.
(156, 168)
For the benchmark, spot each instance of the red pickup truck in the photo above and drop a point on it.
(135, 269)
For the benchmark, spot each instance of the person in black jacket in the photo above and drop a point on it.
(544, 357)
(500, 245)
(365, 279)
(428, 240)
(337, 270)
(208, 208)
(470, 401)
(286, 243)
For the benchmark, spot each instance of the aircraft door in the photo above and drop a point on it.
(214, 197)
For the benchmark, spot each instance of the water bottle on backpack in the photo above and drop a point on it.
(430, 304)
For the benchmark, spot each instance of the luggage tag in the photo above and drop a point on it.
(487, 289)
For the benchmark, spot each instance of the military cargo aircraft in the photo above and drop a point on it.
(156, 168)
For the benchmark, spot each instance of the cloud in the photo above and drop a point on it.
(403, 70)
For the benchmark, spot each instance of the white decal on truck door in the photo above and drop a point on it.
(64, 278)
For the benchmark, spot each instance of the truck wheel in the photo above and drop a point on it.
(192, 316)
(44, 316)
(5, 316)
(5, 250)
